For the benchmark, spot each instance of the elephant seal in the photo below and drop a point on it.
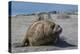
(42, 32)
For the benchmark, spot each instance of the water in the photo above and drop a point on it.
(29, 7)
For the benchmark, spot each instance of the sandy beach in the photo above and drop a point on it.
(69, 36)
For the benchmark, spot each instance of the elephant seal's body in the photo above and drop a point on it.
(42, 32)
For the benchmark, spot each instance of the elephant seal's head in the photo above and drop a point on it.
(57, 29)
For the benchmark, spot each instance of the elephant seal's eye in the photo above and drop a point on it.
(52, 26)
(58, 25)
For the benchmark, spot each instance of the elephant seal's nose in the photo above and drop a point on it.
(57, 29)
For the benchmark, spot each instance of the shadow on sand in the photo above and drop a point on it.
(63, 44)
